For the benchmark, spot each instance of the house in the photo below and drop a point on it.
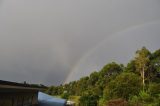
(22, 94)
(18, 94)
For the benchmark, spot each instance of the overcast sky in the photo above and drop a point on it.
(57, 41)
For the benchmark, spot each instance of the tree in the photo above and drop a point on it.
(82, 85)
(123, 86)
(142, 61)
(107, 72)
(89, 99)
(93, 78)
(65, 95)
(131, 67)
(110, 69)
(155, 66)
(51, 90)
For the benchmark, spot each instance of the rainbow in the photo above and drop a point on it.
(113, 36)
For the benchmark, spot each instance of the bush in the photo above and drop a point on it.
(145, 97)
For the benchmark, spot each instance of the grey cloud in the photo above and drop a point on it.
(42, 41)
(120, 47)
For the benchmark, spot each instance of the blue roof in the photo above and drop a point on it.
(47, 100)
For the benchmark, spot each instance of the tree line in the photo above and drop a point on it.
(134, 84)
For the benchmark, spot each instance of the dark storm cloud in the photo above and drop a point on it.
(42, 41)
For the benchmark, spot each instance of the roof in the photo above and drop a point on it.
(7, 86)
(47, 100)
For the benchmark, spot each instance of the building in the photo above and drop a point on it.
(17, 94)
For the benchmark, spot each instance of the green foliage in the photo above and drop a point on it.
(50, 90)
(131, 67)
(155, 67)
(149, 97)
(134, 100)
(117, 84)
(89, 99)
(123, 86)
(142, 62)
(93, 78)
(102, 102)
(75, 99)
(110, 69)
(154, 89)
(145, 97)
(82, 85)
(108, 72)
(65, 95)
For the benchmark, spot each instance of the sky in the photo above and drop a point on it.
(53, 42)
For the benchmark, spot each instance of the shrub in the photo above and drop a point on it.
(145, 97)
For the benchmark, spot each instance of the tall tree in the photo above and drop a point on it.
(123, 86)
(142, 61)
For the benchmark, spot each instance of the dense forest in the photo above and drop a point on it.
(134, 84)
